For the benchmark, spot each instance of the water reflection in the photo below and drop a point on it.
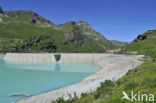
(57, 67)
(61, 67)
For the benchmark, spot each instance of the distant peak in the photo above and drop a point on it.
(84, 24)
(33, 16)
(81, 21)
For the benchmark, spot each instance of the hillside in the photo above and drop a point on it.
(141, 80)
(27, 31)
(143, 44)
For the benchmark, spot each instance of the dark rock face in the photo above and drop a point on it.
(1, 10)
(37, 17)
(14, 49)
(77, 37)
(140, 38)
(37, 42)
(84, 25)
(33, 21)
(47, 45)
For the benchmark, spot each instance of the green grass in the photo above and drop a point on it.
(147, 46)
(25, 31)
(141, 79)
(16, 26)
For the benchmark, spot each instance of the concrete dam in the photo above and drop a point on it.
(55, 57)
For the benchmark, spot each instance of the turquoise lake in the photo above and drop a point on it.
(35, 78)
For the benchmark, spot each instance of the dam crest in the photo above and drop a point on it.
(55, 57)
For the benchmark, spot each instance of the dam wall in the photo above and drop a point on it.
(82, 58)
(50, 57)
(29, 57)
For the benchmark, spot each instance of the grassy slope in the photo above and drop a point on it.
(91, 37)
(147, 46)
(21, 31)
(142, 79)
(16, 27)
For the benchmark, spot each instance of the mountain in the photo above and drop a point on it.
(144, 44)
(118, 43)
(27, 31)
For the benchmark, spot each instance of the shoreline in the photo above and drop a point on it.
(113, 68)
(2, 55)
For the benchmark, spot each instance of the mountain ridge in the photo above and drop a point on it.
(27, 31)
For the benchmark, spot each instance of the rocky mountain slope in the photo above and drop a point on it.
(27, 31)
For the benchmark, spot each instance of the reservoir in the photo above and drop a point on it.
(35, 78)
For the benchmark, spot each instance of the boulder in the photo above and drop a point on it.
(38, 40)
(140, 38)
(33, 21)
(23, 47)
(29, 44)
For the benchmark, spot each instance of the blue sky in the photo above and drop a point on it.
(116, 19)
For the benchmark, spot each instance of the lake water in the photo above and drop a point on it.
(35, 78)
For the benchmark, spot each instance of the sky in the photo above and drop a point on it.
(119, 20)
